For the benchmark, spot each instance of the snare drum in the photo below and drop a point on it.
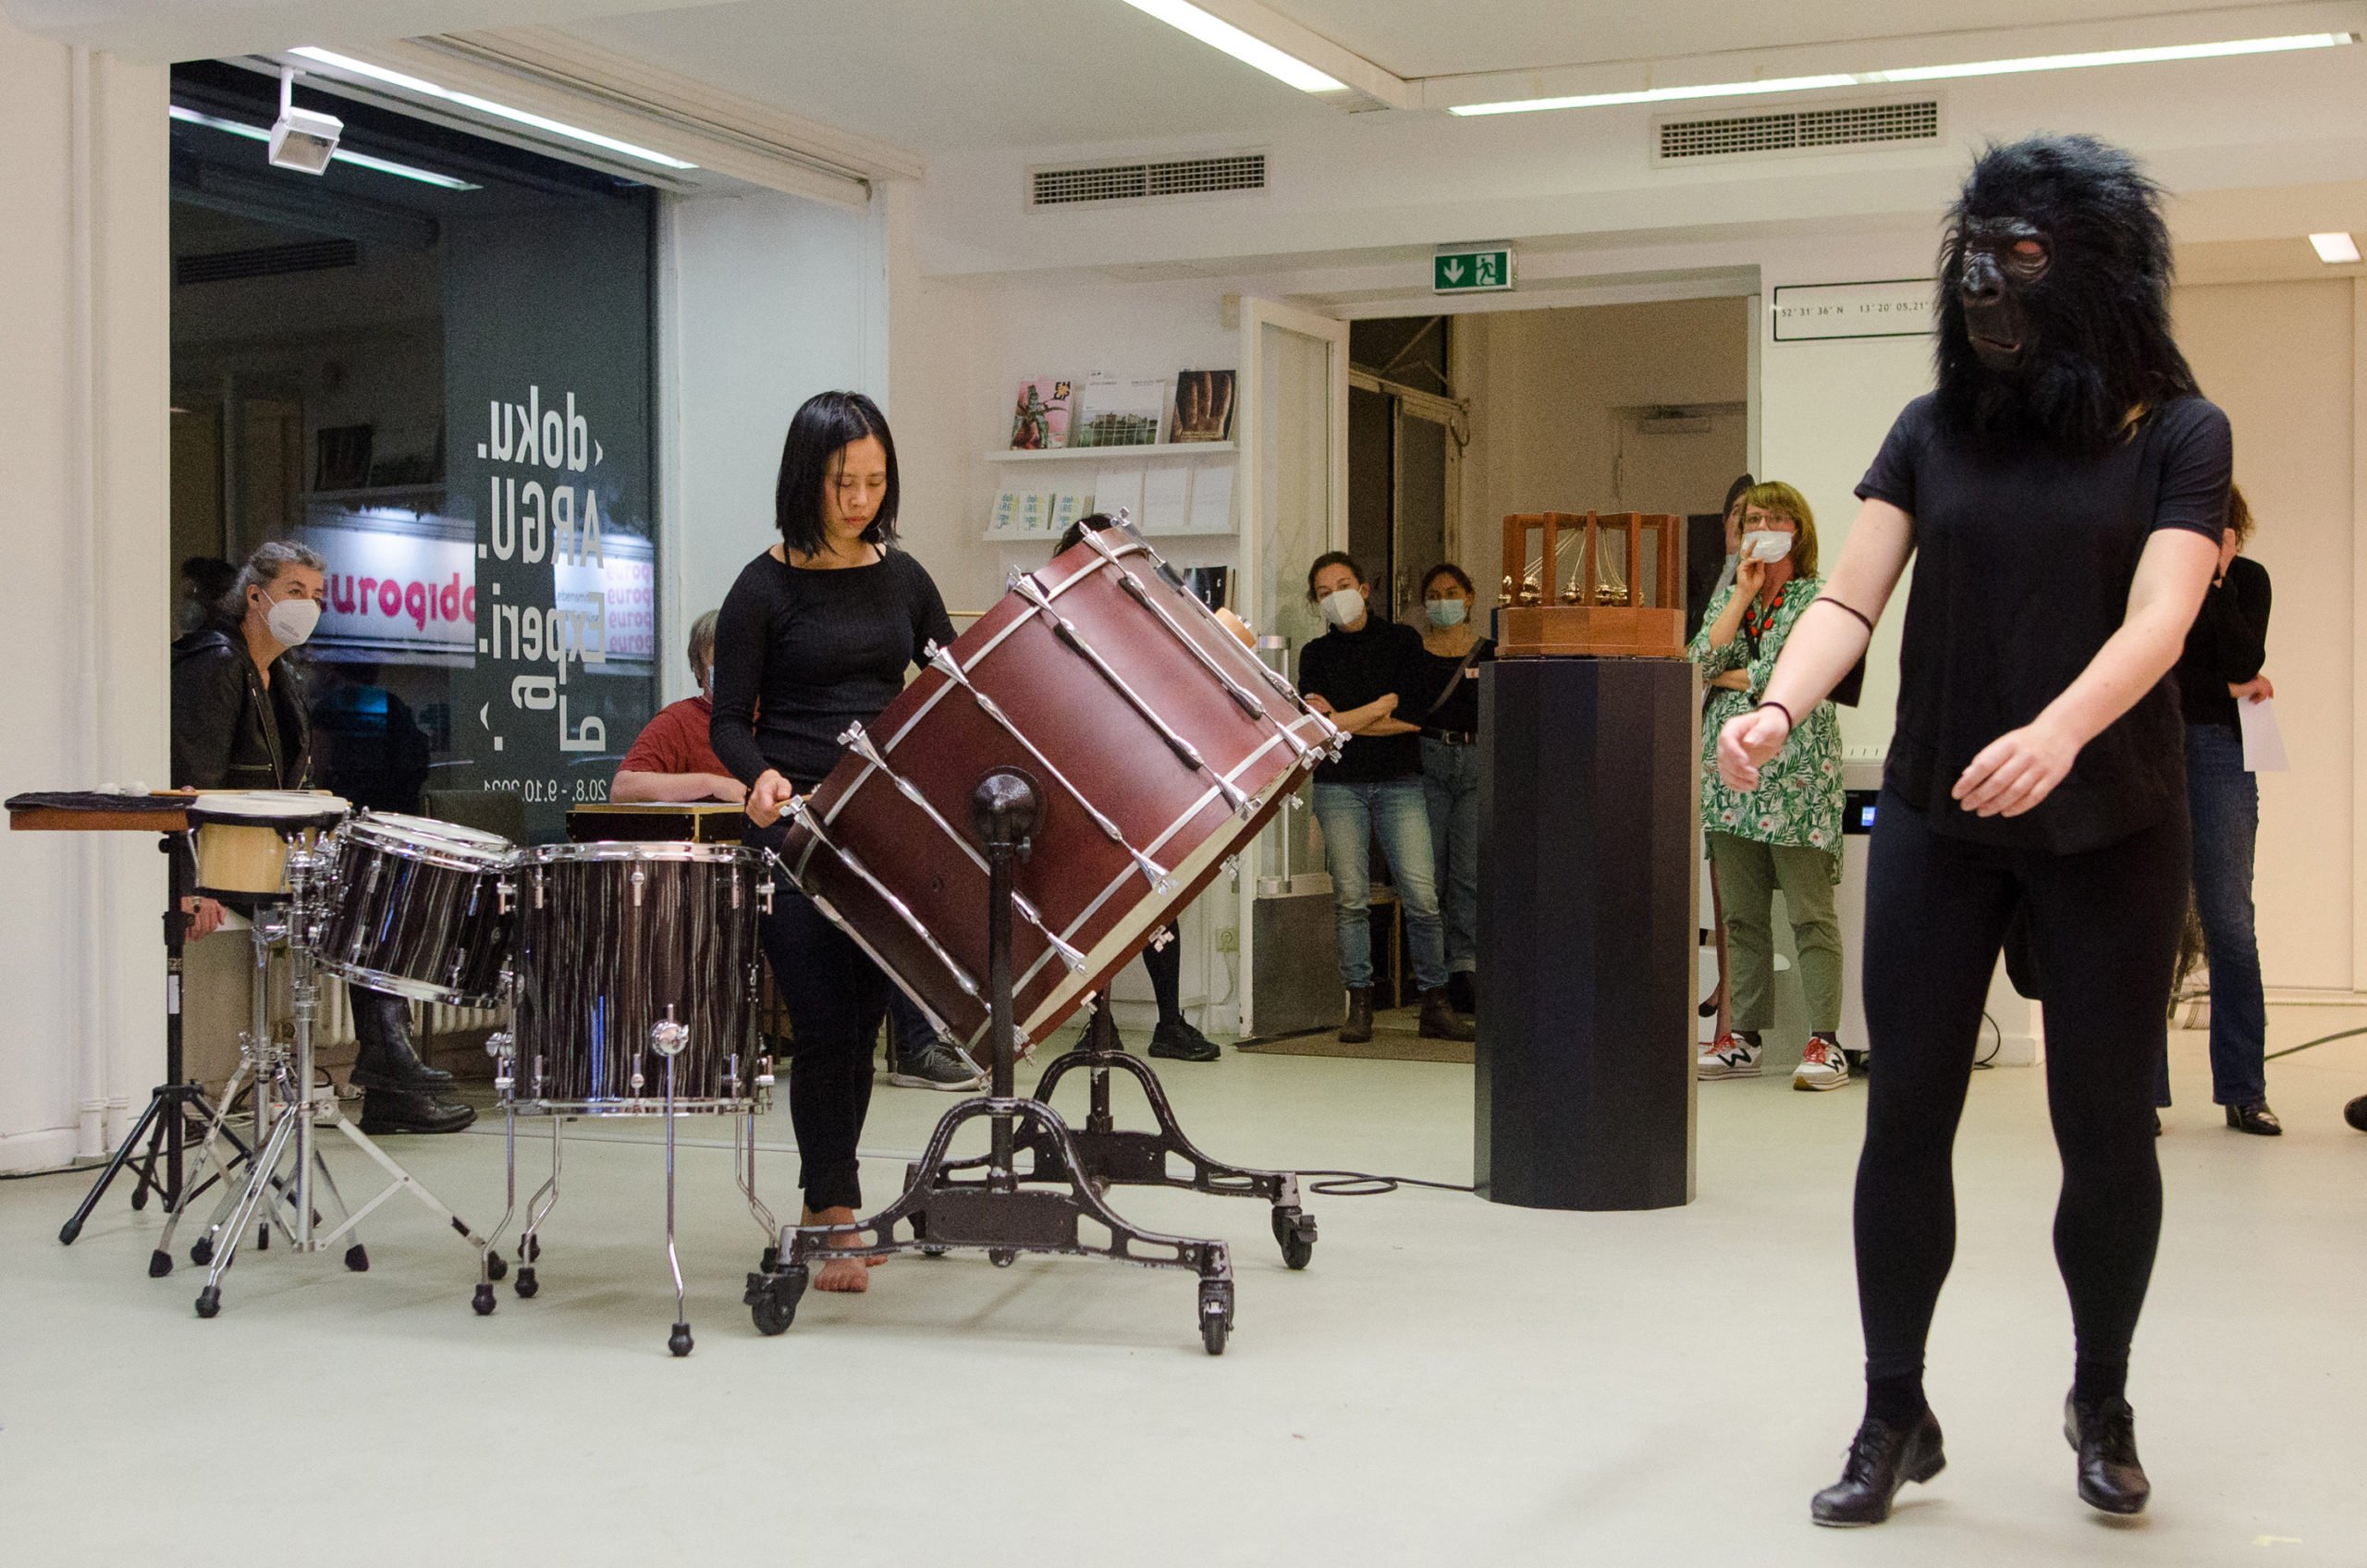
(415, 908)
(243, 837)
(616, 940)
(1160, 743)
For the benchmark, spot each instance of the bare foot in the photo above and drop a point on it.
(851, 1275)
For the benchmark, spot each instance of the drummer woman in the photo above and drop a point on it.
(239, 723)
(815, 636)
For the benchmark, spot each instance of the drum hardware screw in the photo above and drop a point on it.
(668, 1037)
(764, 1073)
(639, 877)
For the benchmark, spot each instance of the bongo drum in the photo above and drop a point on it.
(243, 837)
(1160, 743)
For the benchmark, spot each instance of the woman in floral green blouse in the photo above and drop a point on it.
(1788, 834)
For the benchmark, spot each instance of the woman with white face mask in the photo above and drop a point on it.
(1788, 834)
(1361, 672)
(1452, 651)
(240, 722)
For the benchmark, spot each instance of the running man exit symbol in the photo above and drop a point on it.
(1472, 269)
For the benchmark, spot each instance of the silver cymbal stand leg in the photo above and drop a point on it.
(259, 1181)
(545, 1198)
(670, 1038)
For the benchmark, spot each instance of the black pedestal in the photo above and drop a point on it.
(1587, 933)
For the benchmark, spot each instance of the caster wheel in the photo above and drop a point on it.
(1001, 1257)
(770, 1262)
(160, 1263)
(496, 1266)
(68, 1232)
(200, 1251)
(357, 1259)
(772, 1299)
(1213, 1327)
(932, 1251)
(209, 1302)
(679, 1341)
(527, 1284)
(1295, 1232)
(483, 1301)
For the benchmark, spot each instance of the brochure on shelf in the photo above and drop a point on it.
(1040, 415)
(1119, 411)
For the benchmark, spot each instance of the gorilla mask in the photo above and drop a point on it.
(2054, 296)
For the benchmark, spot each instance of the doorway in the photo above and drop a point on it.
(1406, 431)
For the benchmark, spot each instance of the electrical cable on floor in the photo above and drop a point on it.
(2320, 1040)
(1363, 1185)
(1980, 1062)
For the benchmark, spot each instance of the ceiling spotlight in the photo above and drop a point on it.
(302, 139)
(2334, 250)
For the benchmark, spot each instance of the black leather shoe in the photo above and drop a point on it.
(1178, 1041)
(1439, 1020)
(410, 1110)
(1882, 1458)
(2105, 1437)
(386, 1058)
(2356, 1113)
(2255, 1118)
(1358, 1029)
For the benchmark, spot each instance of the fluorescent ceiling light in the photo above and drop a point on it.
(1217, 33)
(2284, 45)
(342, 155)
(487, 106)
(2334, 250)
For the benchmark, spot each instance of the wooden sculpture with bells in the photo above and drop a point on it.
(1609, 585)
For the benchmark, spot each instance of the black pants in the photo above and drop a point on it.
(2105, 926)
(836, 997)
(1165, 966)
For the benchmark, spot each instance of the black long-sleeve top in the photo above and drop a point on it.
(2226, 645)
(230, 731)
(812, 651)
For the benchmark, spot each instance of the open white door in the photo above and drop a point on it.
(1291, 424)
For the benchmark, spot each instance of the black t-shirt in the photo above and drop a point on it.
(2228, 644)
(814, 652)
(1351, 669)
(1460, 712)
(2023, 561)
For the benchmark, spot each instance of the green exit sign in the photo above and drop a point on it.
(1472, 269)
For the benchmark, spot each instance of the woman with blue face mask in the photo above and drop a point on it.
(1361, 672)
(1452, 651)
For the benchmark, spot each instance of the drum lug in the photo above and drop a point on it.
(639, 877)
(504, 892)
(764, 898)
(764, 1073)
(503, 1050)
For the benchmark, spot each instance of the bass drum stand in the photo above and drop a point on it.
(981, 1204)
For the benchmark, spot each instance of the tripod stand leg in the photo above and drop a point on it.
(123, 1156)
(260, 1179)
(357, 1257)
(215, 1127)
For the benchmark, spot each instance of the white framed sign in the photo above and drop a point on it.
(396, 591)
(1808, 312)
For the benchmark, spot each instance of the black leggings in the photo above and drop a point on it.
(2104, 929)
(836, 997)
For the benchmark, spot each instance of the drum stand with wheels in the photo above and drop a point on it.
(981, 1204)
(285, 1092)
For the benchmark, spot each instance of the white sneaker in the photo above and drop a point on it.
(1728, 1056)
(1823, 1066)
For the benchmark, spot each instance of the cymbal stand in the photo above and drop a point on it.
(300, 1110)
(980, 1204)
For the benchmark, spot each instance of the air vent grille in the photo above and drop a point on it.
(220, 266)
(1850, 124)
(1137, 182)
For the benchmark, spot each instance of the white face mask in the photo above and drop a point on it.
(1766, 545)
(292, 621)
(1342, 607)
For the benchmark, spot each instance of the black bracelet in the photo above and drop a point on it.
(1789, 722)
(1845, 609)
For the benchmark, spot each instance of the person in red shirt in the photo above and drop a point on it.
(672, 759)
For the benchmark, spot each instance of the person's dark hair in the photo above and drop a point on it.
(1734, 493)
(262, 569)
(825, 425)
(702, 648)
(1448, 569)
(1332, 558)
(2239, 516)
(209, 577)
(2093, 324)
(1093, 522)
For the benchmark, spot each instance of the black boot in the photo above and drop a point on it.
(386, 1058)
(2105, 1436)
(1882, 1458)
(1462, 989)
(413, 1110)
(1439, 1019)
(1358, 1027)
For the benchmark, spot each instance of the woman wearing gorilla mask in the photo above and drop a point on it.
(2061, 495)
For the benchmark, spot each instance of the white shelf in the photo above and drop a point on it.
(1120, 454)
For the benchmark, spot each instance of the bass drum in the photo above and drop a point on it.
(415, 908)
(1160, 744)
(616, 941)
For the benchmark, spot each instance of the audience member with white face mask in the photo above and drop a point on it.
(1452, 651)
(1361, 672)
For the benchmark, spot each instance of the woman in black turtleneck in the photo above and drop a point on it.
(816, 635)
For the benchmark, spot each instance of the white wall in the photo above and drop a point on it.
(765, 299)
(84, 378)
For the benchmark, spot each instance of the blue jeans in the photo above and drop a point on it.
(909, 1034)
(2225, 803)
(1352, 815)
(1451, 789)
